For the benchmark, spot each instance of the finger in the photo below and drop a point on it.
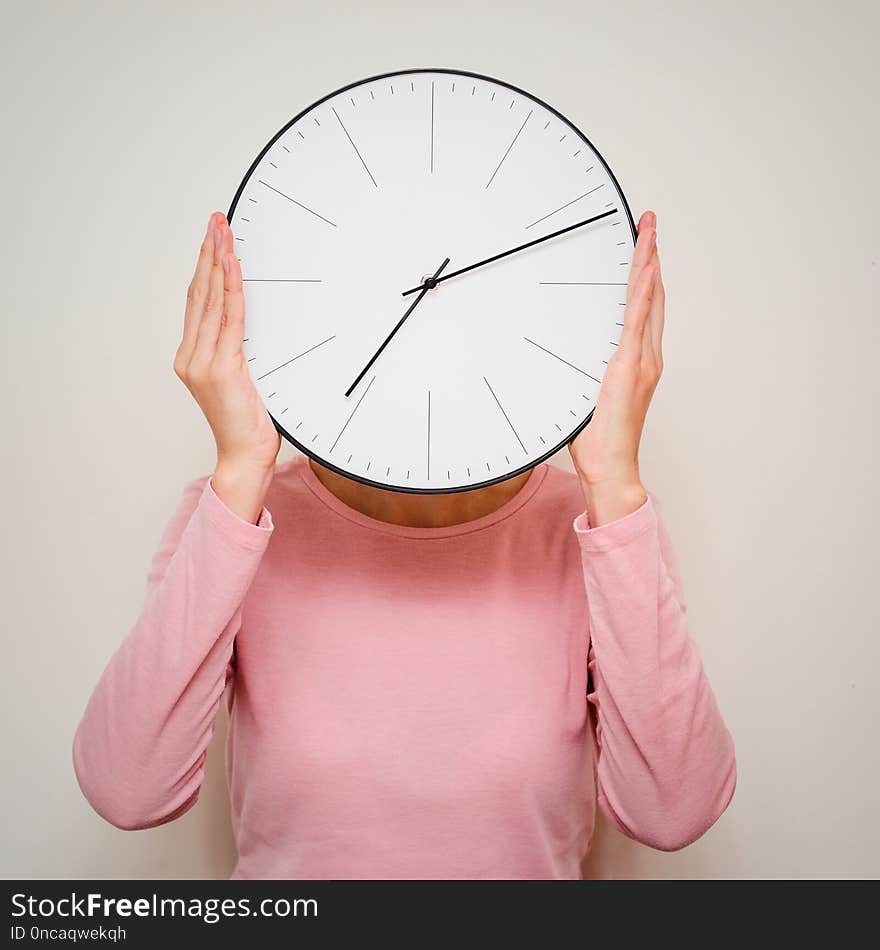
(636, 314)
(650, 357)
(641, 255)
(658, 315)
(647, 220)
(209, 327)
(232, 327)
(197, 293)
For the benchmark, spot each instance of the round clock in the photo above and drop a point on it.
(435, 267)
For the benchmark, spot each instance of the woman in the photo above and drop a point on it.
(419, 686)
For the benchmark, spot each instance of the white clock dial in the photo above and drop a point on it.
(363, 197)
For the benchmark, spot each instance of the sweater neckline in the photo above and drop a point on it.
(510, 507)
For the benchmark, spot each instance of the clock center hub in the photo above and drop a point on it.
(428, 281)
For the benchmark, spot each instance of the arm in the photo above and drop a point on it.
(139, 751)
(666, 767)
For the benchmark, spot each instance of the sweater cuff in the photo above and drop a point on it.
(615, 534)
(222, 516)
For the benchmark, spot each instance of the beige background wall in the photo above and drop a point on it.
(750, 128)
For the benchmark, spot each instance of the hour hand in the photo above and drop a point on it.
(429, 284)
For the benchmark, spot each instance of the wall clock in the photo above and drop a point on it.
(435, 267)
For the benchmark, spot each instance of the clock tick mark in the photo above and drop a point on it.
(561, 360)
(283, 410)
(566, 205)
(432, 126)
(270, 395)
(315, 436)
(297, 426)
(369, 464)
(491, 390)
(353, 411)
(543, 441)
(509, 147)
(318, 123)
(251, 359)
(583, 283)
(299, 133)
(304, 352)
(547, 126)
(348, 459)
(344, 129)
(286, 149)
(299, 204)
(558, 426)
(273, 164)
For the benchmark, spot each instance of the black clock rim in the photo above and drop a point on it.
(449, 490)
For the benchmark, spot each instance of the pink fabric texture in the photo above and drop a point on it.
(412, 702)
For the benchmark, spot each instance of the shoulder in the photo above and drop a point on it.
(288, 473)
(293, 498)
(560, 492)
(550, 512)
(288, 482)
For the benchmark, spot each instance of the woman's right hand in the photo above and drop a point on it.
(211, 363)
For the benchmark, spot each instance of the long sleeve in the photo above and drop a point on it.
(139, 750)
(666, 768)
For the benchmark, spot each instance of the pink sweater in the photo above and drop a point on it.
(412, 702)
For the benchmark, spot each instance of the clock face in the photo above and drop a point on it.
(367, 195)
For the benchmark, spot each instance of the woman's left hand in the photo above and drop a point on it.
(606, 451)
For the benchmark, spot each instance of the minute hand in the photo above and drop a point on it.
(513, 250)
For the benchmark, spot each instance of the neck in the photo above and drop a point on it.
(418, 511)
